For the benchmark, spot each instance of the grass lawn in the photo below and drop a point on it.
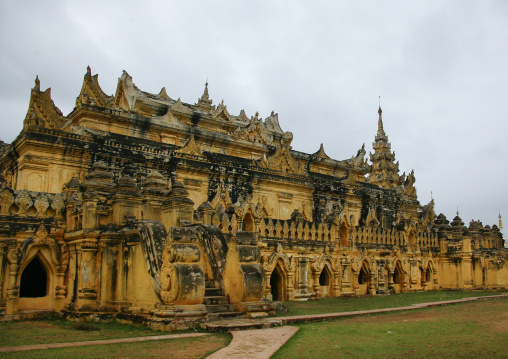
(56, 330)
(468, 330)
(350, 304)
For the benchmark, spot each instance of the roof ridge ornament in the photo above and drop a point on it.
(37, 86)
(204, 102)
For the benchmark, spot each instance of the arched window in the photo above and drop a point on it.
(344, 235)
(34, 280)
(248, 223)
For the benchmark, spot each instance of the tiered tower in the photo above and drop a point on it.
(385, 172)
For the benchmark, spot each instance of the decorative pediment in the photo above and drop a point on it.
(179, 107)
(282, 160)
(350, 178)
(42, 110)
(191, 148)
(320, 154)
(91, 92)
(221, 198)
(254, 132)
(242, 117)
(270, 261)
(409, 185)
(124, 92)
(319, 262)
(243, 208)
(169, 117)
(358, 160)
(221, 113)
(164, 95)
(272, 123)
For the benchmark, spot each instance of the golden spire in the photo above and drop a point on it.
(381, 135)
(500, 221)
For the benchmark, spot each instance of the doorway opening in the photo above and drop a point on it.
(34, 280)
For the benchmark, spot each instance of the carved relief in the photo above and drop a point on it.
(24, 202)
(282, 160)
(41, 204)
(254, 132)
(6, 201)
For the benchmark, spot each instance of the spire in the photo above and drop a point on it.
(500, 221)
(204, 102)
(37, 84)
(381, 135)
(385, 172)
(205, 93)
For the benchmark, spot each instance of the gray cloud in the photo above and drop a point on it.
(439, 67)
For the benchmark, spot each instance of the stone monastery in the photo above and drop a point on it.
(143, 207)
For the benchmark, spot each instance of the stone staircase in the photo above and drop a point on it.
(217, 304)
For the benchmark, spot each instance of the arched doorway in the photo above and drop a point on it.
(344, 235)
(398, 278)
(326, 281)
(278, 284)
(34, 280)
(430, 277)
(248, 223)
(363, 279)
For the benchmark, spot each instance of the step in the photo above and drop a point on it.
(212, 292)
(225, 315)
(240, 324)
(217, 299)
(210, 284)
(218, 308)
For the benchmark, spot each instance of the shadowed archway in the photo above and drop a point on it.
(34, 280)
(278, 284)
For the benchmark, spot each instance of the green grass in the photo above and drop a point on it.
(349, 304)
(180, 348)
(57, 330)
(468, 330)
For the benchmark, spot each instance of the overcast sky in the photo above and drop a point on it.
(440, 68)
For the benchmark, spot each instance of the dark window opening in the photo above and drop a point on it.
(324, 278)
(363, 277)
(34, 280)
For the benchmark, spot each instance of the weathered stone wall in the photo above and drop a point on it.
(134, 202)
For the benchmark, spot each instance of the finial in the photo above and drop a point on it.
(457, 211)
(431, 197)
(500, 221)
(37, 83)
(205, 93)
(380, 130)
(88, 70)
